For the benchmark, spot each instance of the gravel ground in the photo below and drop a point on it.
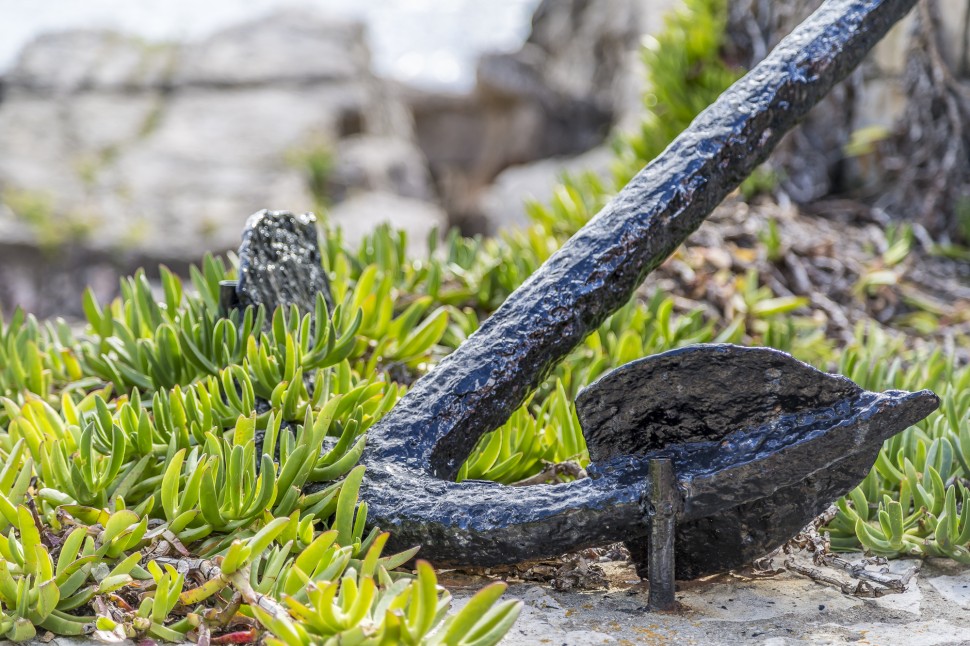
(839, 255)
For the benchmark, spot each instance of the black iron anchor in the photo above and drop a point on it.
(692, 484)
(730, 513)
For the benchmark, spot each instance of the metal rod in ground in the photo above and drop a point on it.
(228, 297)
(662, 512)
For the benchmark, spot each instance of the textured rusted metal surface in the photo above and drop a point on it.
(485, 523)
(279, 262)
(760, 443)
(475, 389)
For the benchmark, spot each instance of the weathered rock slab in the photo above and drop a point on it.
(155, 152)
(360, 214)
(781, 610)
(502, 204)
(172, 144)
(293, 46)
(63, 63)
(953, 587)
(372, 163)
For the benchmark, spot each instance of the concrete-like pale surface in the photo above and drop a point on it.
(736, 609)
(954, 588)
(780, 610)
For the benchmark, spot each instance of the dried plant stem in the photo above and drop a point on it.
(553, 472)
(272, 607)
(896, 583)
(216, 579)
(864, 583)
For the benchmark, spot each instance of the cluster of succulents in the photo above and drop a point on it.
(915, 501)
(154, 470)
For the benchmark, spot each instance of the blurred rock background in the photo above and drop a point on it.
(121, 149)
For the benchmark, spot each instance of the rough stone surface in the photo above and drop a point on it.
(86, 60)
(359, 214)
(279, 263)
(781, 610)
(953, 587)
(502, 204)
(577, 49)
(572, 68)
(387, 164)
(577, 75)
(162, 149)
(294, 46)
(42, 279)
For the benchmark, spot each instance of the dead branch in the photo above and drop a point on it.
(863, 582)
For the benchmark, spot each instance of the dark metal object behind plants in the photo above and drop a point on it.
(757, 442)
(279, 262)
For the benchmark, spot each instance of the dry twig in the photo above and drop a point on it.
(552, 473)
(862, 580)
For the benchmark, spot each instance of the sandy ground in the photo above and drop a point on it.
(738, 609)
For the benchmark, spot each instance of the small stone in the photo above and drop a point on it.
(279, 262)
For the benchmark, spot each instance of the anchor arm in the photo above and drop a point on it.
(871, 419)
(485, 523)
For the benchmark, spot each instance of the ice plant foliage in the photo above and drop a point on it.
(138, 506)
(153, 469)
